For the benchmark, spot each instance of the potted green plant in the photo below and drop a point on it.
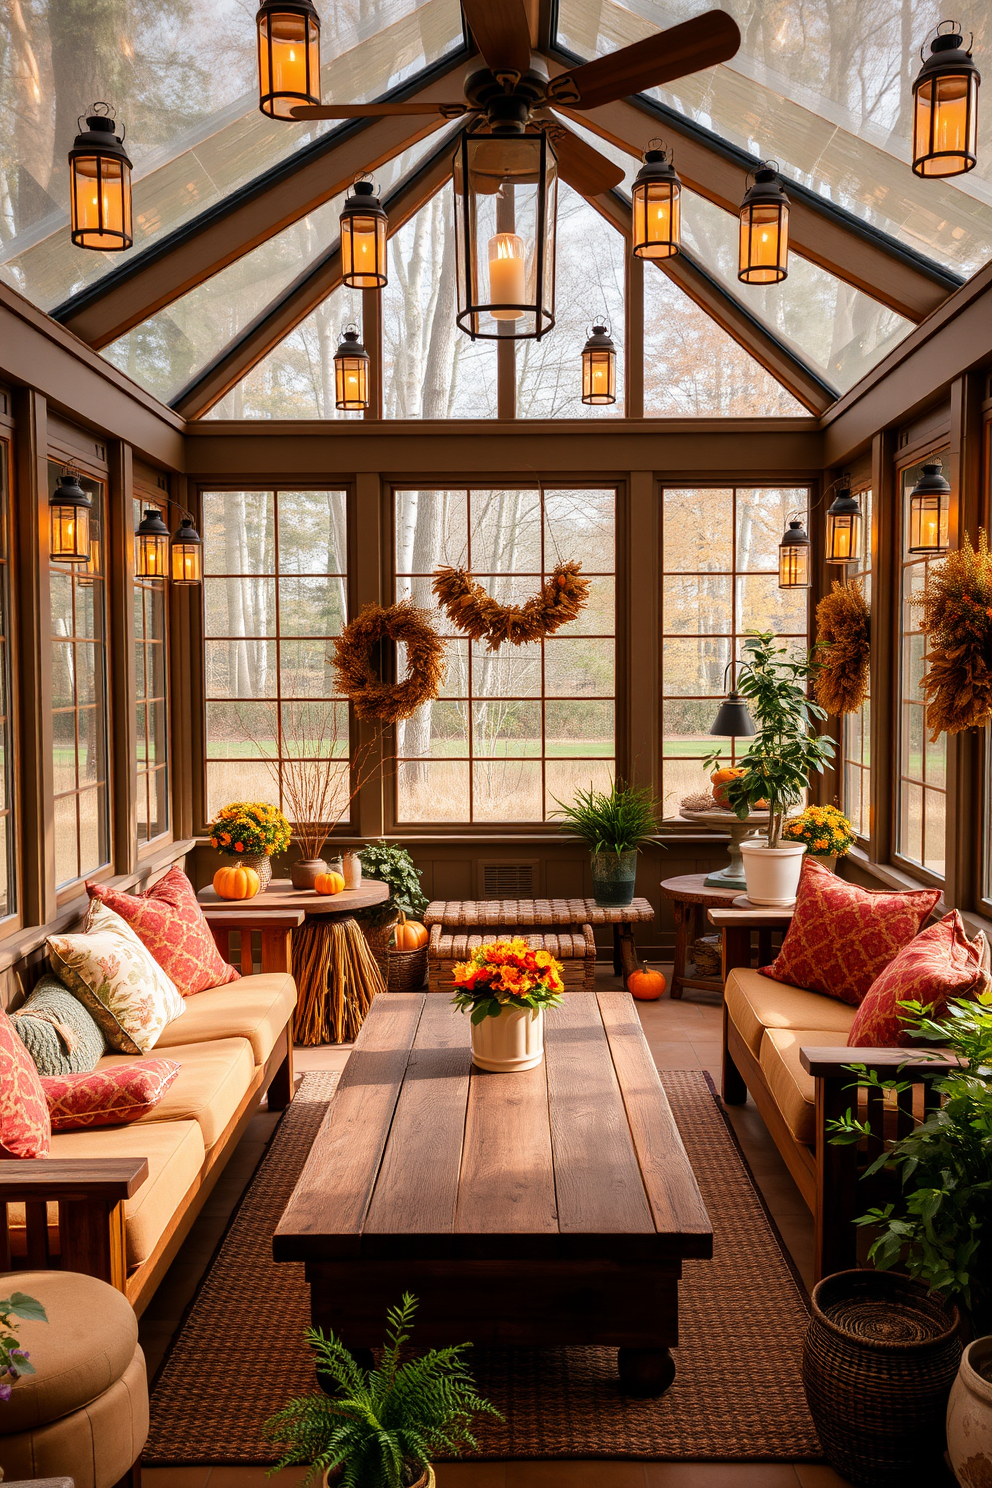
(776, 769)
(391, 864)
(380, 1427)
(614, 825)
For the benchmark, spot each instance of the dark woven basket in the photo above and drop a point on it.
(879, 1360)
(407, 969)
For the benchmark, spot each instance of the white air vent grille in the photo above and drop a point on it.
(508, 880)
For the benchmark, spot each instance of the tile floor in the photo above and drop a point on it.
(682, 1035)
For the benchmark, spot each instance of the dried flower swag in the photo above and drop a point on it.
(957, 622)
(843, 623)
(477, 615)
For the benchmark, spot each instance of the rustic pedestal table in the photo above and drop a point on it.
(690, 898)
(336, 973)
(553, 1206)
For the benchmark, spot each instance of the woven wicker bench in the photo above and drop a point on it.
(576, 950)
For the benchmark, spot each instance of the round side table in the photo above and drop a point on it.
(689, 895)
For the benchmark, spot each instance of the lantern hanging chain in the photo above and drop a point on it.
(957, 29)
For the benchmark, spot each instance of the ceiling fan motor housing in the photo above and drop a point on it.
(508, 98)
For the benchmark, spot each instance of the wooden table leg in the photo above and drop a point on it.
(628, 954)
(617, 962)
(645, 1372)
(678, 970)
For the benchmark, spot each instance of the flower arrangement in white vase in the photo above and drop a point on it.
(506, 986)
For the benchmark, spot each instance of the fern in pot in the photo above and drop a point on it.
(614, 825)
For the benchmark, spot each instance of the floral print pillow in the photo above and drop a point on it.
(117, 980)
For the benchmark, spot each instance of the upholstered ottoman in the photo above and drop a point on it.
(84, 1414)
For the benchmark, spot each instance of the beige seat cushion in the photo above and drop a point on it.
(755, 1002)
(792, 1089)
(256, 1008)
(175, 1153)
(87, 1344)
(95, 1446)
(212, 1082)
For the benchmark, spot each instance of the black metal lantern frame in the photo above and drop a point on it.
(845, 523)
(351, 373)
(599, 367)
(187, 550)
(151, 546)
(764, 229)
(69, 512)
(363, 238)
(945, 107)
(793, 557)
(278, 94)
(656, 209)
(930, 512)
(100, 184)
(506, 206)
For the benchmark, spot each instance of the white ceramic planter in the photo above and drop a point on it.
(512, 1041)
(969, 1417)
(772, 873)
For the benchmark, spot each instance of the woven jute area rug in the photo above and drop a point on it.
(239, 1354)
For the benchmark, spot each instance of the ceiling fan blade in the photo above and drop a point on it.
(701, 42)
(502, 33)
(582, 167)
(375, 110)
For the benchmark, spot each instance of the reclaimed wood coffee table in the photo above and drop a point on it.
(549, 1207)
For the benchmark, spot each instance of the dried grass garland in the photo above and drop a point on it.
(843, 630)
(957, 621)
(389, 702)
(477, 615)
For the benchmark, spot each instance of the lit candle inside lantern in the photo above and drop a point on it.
(507, 285)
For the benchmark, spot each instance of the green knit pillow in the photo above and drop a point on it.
(61, 1036)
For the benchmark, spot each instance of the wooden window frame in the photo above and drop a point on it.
(547, 828)
(866, 568)
(144, 496)
(12, 922)
(983, 865)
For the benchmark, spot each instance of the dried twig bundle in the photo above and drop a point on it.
(957, 621)
(389, 702)
(477, 615)
(843, 627)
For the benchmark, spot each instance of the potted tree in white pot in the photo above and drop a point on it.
(776, 770)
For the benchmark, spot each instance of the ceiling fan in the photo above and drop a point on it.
(514, 90)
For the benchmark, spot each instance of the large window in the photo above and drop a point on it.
(922, 785)
(518, 728)
(150, 698)
(274, 594)
(719, 581)
(79, 702)
(857, 726)
(8, 877)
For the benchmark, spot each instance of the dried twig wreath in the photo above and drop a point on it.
(957, 621)
(388, 702)
(477, 615)
(842, 638)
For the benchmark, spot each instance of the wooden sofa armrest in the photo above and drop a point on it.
(275, 926)
(90, 1194)
(737, 925)
(903, 1064)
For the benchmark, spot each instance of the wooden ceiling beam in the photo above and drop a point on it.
(802, 382)
(306, 292)
(817, 231)
(166, 271)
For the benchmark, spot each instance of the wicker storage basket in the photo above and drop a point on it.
(576, 950)
(407, 970)
(879, 1360)
(378, 937)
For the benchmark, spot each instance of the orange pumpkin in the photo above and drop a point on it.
(721, 778)
(409, 934)
(328, 883)
(646, 985)
(237, 882)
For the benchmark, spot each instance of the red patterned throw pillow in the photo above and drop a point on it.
(25, 1130)
(842, 936)
(107, 1097)
(941, 963)
(170, 925)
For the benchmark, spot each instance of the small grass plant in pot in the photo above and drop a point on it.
(826, 831)
(614, 824)
(506, 986)
(380, 1427)
(252, 832)
(776, 770)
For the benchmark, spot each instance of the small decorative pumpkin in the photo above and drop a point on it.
(409, 934)
(328, 883)
(721, 778)
(237, 882)
(646, 985)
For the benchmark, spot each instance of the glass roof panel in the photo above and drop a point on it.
(168, 350)
(183, 79)
(823, 86)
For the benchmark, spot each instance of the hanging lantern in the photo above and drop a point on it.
(187, 550)
(506, 194)
(657, 212)
(100, 185)
(945, 107)
(288, 56)
(930, 511)
(843, 528)
(599, 367)
(351, 373)
(764, 244)
(151, 548)
(793, 558)
(69, 521)
(363, 239)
